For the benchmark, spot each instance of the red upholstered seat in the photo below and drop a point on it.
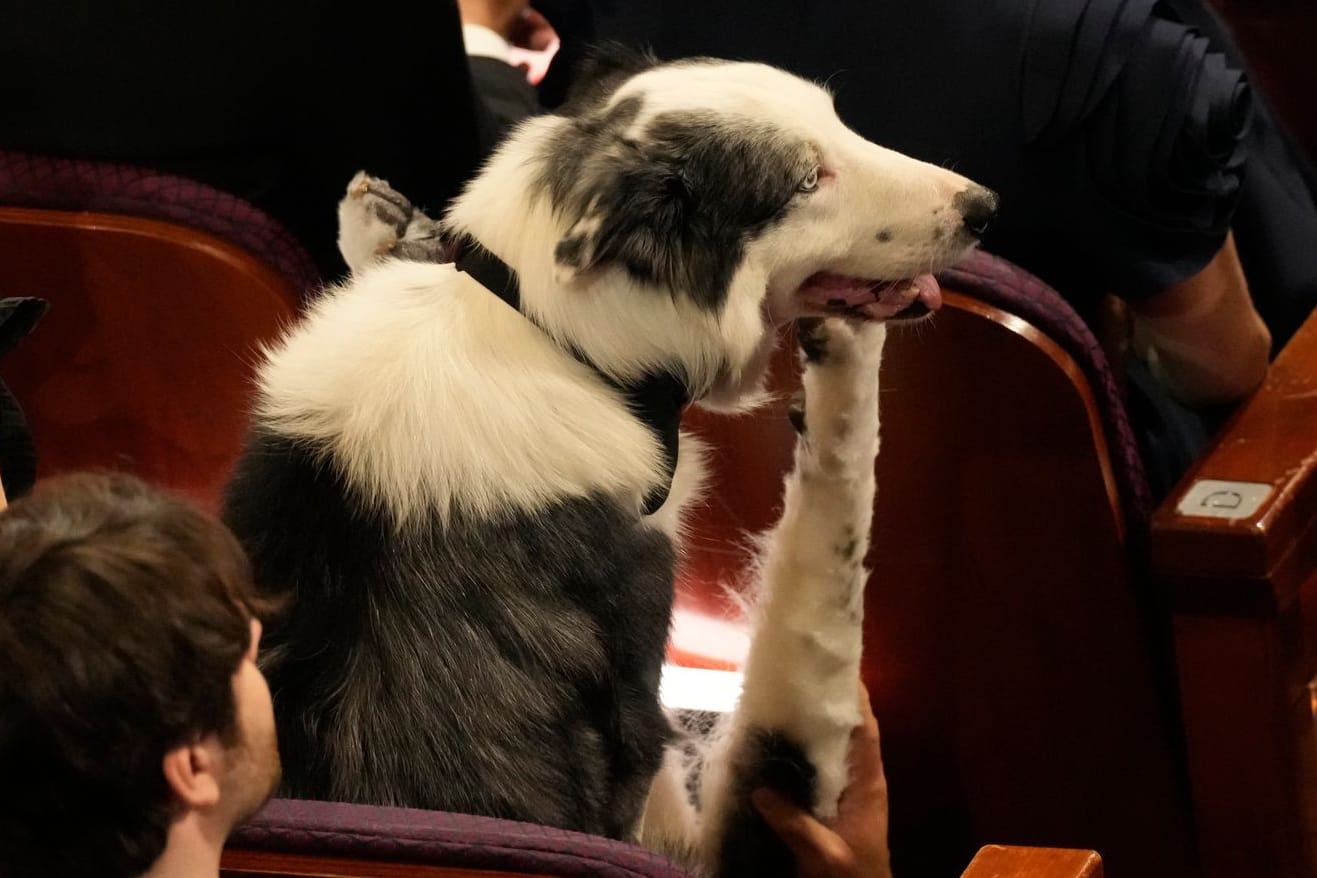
(144, 361)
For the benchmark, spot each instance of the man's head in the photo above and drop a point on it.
(129, 697)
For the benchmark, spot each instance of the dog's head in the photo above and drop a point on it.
(694, 206)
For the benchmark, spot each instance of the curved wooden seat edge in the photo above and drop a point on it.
(144, 361)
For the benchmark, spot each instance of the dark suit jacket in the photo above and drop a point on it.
(279, 102)
(1123, 143)
(503, 98)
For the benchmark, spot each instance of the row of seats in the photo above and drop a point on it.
(1054, 662)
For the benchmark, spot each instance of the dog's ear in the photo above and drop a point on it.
(648, 221)
(676, 204)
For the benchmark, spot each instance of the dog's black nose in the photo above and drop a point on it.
(977, 206)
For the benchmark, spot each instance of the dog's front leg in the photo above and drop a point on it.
(791, 729)
(376, 222)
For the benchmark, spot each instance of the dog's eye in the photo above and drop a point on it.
(811, 181)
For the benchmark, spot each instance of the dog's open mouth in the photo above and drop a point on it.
(827, 293)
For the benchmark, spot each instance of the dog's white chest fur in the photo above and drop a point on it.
(435, 397)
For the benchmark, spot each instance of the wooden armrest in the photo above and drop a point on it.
(999, 861)
(1244, 592)
(994, 861)
(1258, 562)
(264, 864)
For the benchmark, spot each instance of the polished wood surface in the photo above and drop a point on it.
(1246, 592)
(145, 359)
(1269, 441)
(1023, 695)
(1249, 729)
(1245, 596)
(268, 864)
(996, 861)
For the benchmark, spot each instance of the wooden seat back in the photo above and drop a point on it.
(1022, 693)
(144, 362)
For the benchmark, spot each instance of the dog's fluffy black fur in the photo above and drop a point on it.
(518, 658)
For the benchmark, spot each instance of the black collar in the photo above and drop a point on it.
(657, 399)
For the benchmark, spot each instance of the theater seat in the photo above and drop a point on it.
(1235, 546)
(1041, 678)
(1036, 673)
(326, 840)
(1023, 695)
(292, 837)
(80, 185)
(144, 361)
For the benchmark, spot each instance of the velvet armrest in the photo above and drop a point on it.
(328, 840)
(305, 838)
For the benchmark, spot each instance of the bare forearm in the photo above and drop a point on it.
(1203, 337)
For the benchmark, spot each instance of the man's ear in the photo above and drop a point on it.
(192, 773)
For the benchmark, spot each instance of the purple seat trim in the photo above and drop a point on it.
(57, 183)
(1011, 288)
(443, 839)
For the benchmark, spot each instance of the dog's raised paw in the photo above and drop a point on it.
(372, 218)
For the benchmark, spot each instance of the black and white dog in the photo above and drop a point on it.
(474, 510)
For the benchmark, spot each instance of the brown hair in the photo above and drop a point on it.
(124, 613)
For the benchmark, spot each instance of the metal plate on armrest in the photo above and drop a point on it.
(1212, 498)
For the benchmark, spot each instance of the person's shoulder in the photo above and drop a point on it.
(492, 73)
(1140, 126)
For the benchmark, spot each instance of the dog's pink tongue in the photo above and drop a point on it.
(895, 298)
(840, 294)
(826, 288)
(928, 292)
